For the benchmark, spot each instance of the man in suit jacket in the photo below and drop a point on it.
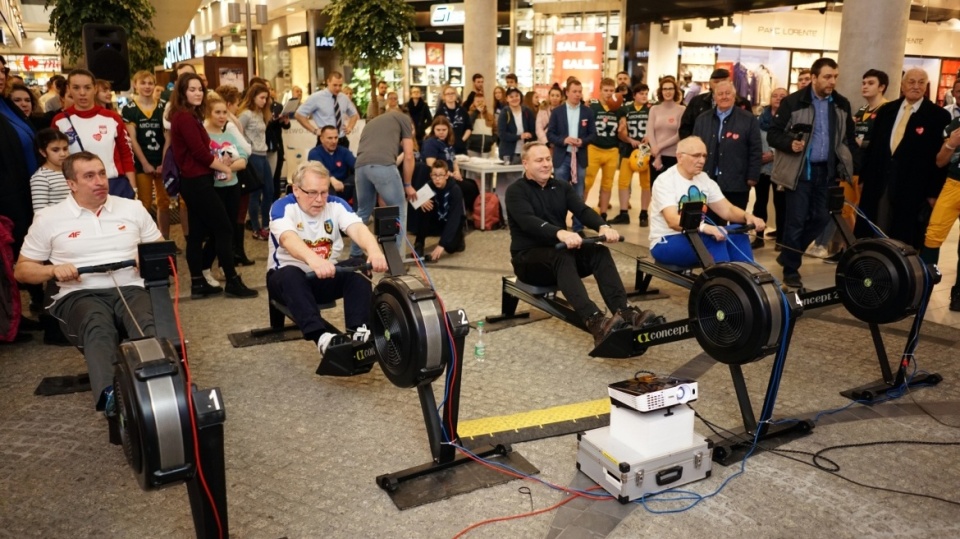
(569, 148)
(900, 176)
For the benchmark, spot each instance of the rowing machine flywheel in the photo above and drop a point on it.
(154, 415)
(738, 313)
(880, 280)
(408, 331)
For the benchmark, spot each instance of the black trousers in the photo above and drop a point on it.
(762, 190)
(566, 268)
(667, 162)
(301, 295)
(738, 199)
(90, 318)
(209, 217)
(230, 196)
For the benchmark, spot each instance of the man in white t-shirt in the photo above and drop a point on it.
(306, 230)
(91, 228)
(686, 182)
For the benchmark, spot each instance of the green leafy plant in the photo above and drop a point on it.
(371, 34)
(135, 16)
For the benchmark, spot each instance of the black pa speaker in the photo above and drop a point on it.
(105, 48)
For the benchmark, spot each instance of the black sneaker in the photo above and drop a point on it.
(418, 249)
(757, 243)
(644, 219)
(242, 260)
(603, 216)
(622, 219)
(200, 289)
(792, 280)
(834, 258)
(955, 299)
(236, 289)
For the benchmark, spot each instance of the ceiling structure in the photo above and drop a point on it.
(173, 16)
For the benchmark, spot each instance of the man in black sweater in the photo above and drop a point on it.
(537, 207)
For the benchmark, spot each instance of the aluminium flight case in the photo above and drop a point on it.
(629, 474)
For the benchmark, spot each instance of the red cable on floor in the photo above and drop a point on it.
(189, 391)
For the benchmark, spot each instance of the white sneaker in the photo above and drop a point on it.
(818, 251)
(208, 276)
(362, 334)
(324, 342)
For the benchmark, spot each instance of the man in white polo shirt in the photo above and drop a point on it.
(90, 228)
(306, 230)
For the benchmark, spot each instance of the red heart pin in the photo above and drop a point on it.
(97, 136)
(919, 130)
(671, 120)
(736, 136)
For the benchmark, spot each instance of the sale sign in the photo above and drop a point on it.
(579, 54)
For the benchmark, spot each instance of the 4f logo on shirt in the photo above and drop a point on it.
(74, 234)
(328, 226)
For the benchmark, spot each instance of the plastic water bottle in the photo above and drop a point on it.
(480, 349)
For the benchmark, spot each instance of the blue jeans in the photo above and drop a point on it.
(561, 171)
(385, 180)
(676, 250)
(806, 217)
(257, 210)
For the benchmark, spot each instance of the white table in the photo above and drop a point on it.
(483, 167)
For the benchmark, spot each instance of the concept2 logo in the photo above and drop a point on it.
(644, 338)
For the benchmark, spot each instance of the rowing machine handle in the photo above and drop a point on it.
(742, 229)
(104, 268)
(586, 241)
(345, 269)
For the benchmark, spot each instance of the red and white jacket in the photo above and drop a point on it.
(102, 133)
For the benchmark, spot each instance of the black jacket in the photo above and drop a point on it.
(535, 214)
(909, 176)
(449, 202)
(737, 152)
(698, 105)
(507, 130)
(420, 114)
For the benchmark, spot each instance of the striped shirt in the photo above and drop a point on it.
(47, 187)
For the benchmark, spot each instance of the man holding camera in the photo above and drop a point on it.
(814, 138)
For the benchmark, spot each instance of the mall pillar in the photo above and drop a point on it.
(480, 46)
(664, 44)
(873, 35)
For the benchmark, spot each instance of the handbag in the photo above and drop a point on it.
(249, 179)
(170, 174)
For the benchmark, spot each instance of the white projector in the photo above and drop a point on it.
(649, 392)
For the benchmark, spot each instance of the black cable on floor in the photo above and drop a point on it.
(818, 457)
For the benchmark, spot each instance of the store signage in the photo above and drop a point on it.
(178, 50)
(325, 42)
(296, 40)
(580, 54)
(448, 15)
(29, 62)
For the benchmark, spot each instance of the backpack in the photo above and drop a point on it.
(491, 211)
(170, 173)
